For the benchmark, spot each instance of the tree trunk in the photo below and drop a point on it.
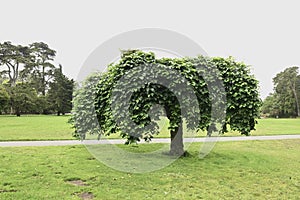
(43, 82)
(176, 147)
(11, 110)
(298, 109)
(297, 102)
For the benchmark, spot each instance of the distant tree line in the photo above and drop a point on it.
(285, 100)
(30, 83)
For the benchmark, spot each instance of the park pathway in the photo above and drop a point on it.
(157, 140)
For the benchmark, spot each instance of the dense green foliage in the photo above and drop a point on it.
(84, 119)
(60, 93)
(23, 98)
(41, 69)
(285, 100)
(13, 57)
(243, 102)
(27, 74)
(241, 88)
(270, 107)
(4, 99)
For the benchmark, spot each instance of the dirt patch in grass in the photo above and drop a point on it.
(77, 182)
(86, 195)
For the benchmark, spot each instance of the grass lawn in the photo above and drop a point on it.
(264, 127)
(233, 170)
(35, 127)
(277, 127)
(50, 127)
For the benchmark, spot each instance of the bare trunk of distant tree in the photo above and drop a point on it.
(293, 88)
(13, 73)
(43, 82)
(297, 102)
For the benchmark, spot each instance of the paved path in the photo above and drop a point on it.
(158, 140)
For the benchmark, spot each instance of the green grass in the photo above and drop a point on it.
(277, 127)
(233, 170)
(50, 127)
(35, 127)
(269, 127)
(264, 127)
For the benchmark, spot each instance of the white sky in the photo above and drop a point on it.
(263, 34)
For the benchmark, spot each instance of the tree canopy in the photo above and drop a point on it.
(40, 71)
(60, 93)
(284, 102)
(28, 75)
(4, 99)
(130, 117)
(12, 57)
(83, 118)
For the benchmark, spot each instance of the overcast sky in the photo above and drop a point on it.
(263, 34)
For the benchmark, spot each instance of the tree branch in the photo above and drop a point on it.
(9, 72)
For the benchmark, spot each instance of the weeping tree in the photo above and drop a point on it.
(83, 118)
(185, 88)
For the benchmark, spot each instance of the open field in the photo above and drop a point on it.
(277, 127)
(264, 127)
(35, 127)
(41, 127)
(233, 170)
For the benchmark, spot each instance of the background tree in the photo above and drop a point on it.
(4, 99)
(40, 71)
(241, 91)
(23, 98)
(12, 57)
(286, 87)
(27, 68)
(60, 93)
(270, 106)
